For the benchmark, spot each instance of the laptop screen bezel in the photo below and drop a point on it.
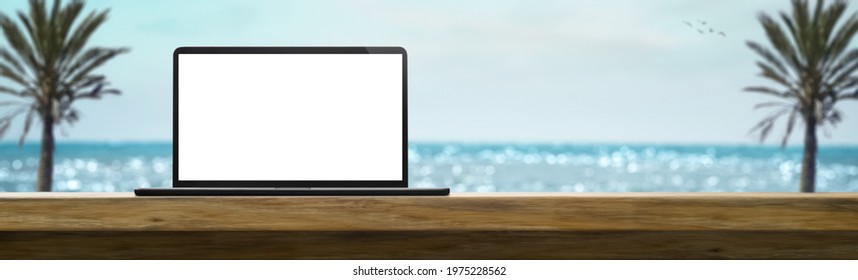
(177, 183)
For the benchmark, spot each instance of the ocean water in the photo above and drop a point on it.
(89, 167)
(477, 167)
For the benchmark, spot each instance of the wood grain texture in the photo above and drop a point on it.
(491, 245)
(462, 226)
(124, 212)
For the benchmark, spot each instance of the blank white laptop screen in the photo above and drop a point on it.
(280, 117)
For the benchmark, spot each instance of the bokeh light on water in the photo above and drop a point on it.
(120, 167)
(624, 168)
(89, 167)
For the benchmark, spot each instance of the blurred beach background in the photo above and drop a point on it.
(481, 167)
(572, 96)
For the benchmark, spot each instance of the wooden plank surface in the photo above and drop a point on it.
(459, 212)
(462, 226)
(490, 245)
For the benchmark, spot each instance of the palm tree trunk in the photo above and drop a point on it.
(46, 160)
(808, 162)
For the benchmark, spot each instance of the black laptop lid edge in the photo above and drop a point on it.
(292, 183)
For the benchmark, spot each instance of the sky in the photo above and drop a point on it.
(497, 71)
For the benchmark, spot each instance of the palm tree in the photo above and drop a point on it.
(51, 67)
(813, 69)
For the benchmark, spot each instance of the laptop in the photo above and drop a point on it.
(290, 121)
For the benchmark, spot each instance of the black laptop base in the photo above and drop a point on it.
(292, 191)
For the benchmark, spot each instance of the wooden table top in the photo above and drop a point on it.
(544, 212)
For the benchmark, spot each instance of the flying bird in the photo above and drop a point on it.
(702, 29)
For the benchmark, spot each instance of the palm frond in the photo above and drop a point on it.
(838, 66)
(769, 73)
(765, 126)
(843, 36)
(6, 120)
(816, 37)
(85, 66)
(30, 31)
(89, 60)
(817, 13)
(771, 104)
(833, 117)
(88, 81)
(794, 33)
(847, 85)
(36, 24)
(843, 75)
(853, 95)
(55, 8)
(85, 29)
(805, 30)
(769, 57)
(11, 91)
(10, 74)
(16, 40)
(96, 92)
(4, 125)
(28, 121)
(68, 16)
(781, 44)
(790, 124)
(771, 91)
(71, 115)
(10, 103)
(9, 59)
(829, 20)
